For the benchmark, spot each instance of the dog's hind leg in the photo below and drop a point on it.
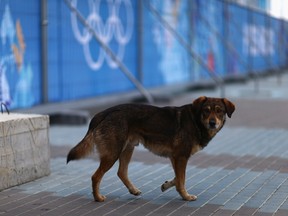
(105, 164)
(124, 160)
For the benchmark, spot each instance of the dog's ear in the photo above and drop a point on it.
(229, 106)
(199, 102)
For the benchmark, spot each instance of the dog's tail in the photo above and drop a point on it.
(82, 149)
(87, 145)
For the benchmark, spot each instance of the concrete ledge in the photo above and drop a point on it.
(24, 148)
(69, 117)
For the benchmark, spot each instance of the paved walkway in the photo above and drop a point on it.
(243, 171)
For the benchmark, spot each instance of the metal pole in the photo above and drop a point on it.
(226, 34)
(140, 40)
(268, 40)
(191, 33)
(122, 67)
(44, 51)
(279, 45)
(255, 46)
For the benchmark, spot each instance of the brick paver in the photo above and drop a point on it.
(243, 171)
(222, 176)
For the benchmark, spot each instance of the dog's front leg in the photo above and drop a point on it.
(180, 170)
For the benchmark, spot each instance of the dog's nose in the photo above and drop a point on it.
(212, 123)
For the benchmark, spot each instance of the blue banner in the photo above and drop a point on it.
(20, 76)
(81, 67)
(165, 61)
(226, 38)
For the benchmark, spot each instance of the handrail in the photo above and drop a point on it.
(226, 43)
(216, 78)
(107, 49)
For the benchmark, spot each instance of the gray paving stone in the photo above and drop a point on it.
(243, 171)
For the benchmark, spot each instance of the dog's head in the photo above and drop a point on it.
(212, 111)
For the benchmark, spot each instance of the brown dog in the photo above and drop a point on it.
(173, 132)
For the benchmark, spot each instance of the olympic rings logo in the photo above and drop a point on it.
(112, 29)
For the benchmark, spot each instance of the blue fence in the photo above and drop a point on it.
(20, 53)
(229, 39)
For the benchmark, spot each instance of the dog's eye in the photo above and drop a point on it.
(218, 110)
(206, 110)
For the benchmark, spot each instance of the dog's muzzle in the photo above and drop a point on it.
(212, 124)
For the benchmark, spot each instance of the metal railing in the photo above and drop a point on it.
(111, 54)
(216, 78)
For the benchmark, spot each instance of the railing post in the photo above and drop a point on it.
(140, 40)
(44, 51)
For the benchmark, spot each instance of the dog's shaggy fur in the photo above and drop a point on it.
(172, 132)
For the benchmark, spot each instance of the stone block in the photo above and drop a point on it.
(24, 148)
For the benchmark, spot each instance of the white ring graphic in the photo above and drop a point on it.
(112, 30)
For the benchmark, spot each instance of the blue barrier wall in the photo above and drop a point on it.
(83, 69)
(165, 61)
(229, 39)
(20, 76)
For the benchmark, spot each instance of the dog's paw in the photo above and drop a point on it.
(135, 191)
(100, 198)
(166, 185)
(190, 198)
